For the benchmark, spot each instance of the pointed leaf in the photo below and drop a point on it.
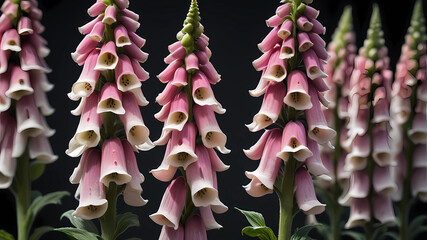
(6, 236)
(255, 219)
(262, 232)
(80, 223)
(391, 235)
(125, 221)
(354, 235)
(379, 233)
(324, 230)
(419, 230)
(78, 234)
(36, 170)
(41, 201)
(38, 232)
(302, 233)
(416, 222)
(35, 194)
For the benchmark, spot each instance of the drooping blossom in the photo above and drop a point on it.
(109, 90)
(191, 133)
(369, 154)
(292, 83)
(23, 87)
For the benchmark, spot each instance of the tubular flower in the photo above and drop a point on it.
(23, 88)
(409, 125)
(369, 158)
(191, 133)
(109, 92)
(292, 84)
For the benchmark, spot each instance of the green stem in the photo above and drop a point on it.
(286, 198)
(108, 120)
(21, 188)
(108, 221)
(189, 91)
(406, 195)
(336, 208)
(189, 205)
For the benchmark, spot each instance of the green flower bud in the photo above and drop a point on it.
(187, 40)
(179, 35)
(188, 28)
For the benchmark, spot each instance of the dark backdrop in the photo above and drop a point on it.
(235, 27)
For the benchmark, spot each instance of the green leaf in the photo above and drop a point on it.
(80, 223)
(41, 201)
(255, 219)
(416, 222)
(263, 232)
(302, 233)
(78, 234)
(125, 221)
(324, 230)
(354, 235)
(35, 194)
(419, 230)
(6, 236)
(379, 233)
(391, 235)
(36, 170)
(38, 232)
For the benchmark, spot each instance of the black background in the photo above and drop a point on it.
(235, 27)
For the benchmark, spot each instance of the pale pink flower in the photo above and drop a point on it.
(169, 233)
(359, 213)
(88, 132)
(297, 95)
(200, 179)
(126, 78)
(113, 164)
(92, 203)
(7, 162)
(203, 94)
(107, 59)
(136, 131)
(262, 179)
(86, 83)
(318, 129)
(212, 135)
(133, 190)
(173, 202)
(195, 229)
(270, 108)
(208, 218)
(294, 143)
(110, 100)
(19, 83)
(304, 193)
(183, 145)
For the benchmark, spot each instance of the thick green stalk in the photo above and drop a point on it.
(21, 187)
(108, 221)
(286, 198)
